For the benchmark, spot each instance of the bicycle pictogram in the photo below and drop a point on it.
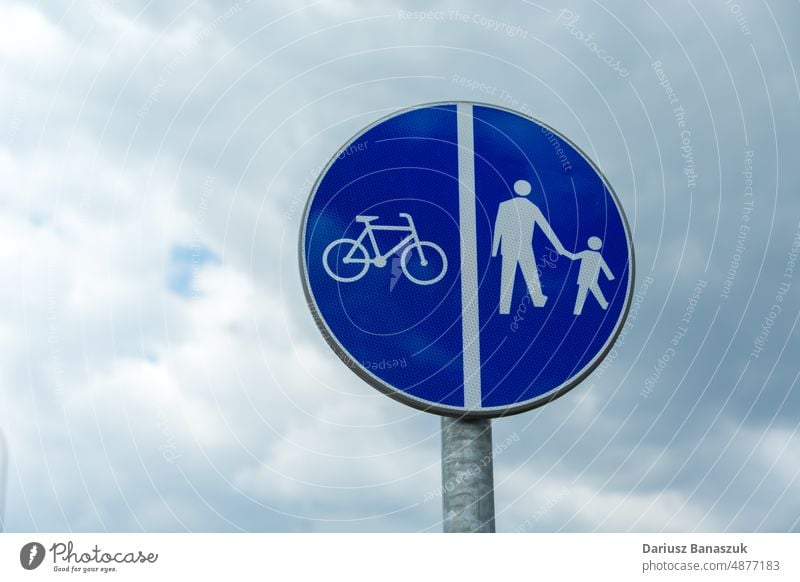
(413, 260)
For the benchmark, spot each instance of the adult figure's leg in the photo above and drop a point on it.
(507, 277)
(527, 263)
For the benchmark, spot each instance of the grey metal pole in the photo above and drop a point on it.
(467, 475)
(3, 479)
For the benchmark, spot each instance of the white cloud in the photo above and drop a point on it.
(26, 33)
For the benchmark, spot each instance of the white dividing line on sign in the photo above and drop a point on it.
(470, 324)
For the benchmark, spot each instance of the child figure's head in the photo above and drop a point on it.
(595, 243)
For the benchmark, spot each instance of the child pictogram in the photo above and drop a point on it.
(592, 263)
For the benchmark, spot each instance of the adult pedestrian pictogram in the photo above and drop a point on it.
(511, 271)
(513, 236)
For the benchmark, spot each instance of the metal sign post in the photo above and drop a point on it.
(468, 261)
(467, 475)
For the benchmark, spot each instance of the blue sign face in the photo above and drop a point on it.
(466, 260)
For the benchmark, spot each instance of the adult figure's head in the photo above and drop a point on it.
(522, 187)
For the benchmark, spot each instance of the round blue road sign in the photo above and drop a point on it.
(466, 260)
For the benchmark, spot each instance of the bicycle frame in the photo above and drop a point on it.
(369, 230)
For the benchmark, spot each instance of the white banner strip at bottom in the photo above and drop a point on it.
(401, 557)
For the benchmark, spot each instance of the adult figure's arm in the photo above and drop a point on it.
(551, 236)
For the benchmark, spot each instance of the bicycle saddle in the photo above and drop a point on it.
(366, 219)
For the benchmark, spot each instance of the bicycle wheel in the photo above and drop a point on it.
(346, 271)
(427, 274)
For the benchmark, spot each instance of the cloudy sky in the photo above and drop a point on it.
(159, 369)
